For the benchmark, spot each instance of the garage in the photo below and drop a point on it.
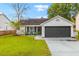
(57, 31)
(57, 27)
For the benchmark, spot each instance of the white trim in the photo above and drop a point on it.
(43, 31)
(55, 18)
(72, 32)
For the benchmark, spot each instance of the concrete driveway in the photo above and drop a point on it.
(63, 47)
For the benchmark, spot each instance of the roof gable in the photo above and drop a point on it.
(56, 19)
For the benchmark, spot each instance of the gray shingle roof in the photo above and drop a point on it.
(33, 21)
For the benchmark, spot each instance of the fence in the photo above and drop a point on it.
(8, 32)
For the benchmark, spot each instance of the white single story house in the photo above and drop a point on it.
(54, 27)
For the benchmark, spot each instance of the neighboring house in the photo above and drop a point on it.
(54, 27)
(5, 24)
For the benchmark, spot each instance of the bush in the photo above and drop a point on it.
(77, 36)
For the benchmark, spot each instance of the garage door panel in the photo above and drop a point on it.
(58, 31)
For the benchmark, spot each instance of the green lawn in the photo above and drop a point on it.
(22, 46)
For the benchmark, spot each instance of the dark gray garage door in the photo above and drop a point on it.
(57, 31)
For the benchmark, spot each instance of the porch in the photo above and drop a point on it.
(33, 30)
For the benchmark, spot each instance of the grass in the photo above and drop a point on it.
(22, 46)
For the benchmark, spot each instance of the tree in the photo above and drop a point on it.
(66, 10)
(15, 24)
(20, 10)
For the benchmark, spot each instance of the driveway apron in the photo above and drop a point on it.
(63, 48)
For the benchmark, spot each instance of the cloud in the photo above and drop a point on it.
(41, 7)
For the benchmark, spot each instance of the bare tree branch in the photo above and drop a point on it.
(20, 9)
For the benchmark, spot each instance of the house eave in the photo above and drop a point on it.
(30, 25)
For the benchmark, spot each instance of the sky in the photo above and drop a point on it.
(35, 10)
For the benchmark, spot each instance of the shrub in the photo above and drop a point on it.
(77, 36)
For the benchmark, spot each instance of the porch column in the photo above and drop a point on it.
(33, 30)
(28, 30)
(36, 30)
(25, 30)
